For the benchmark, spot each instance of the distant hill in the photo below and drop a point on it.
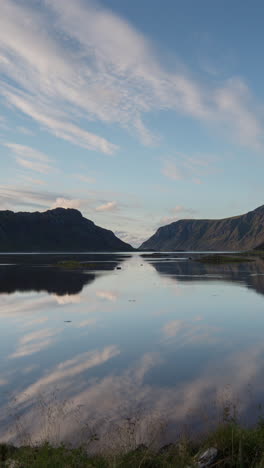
(237, 233)
(55, 231)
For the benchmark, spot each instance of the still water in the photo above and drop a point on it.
(158, 340)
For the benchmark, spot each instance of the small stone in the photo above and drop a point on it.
(207, 457)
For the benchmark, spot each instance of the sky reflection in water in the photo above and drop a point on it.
(162, 339)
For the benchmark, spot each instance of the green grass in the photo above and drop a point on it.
(221, 259)
(237, 446)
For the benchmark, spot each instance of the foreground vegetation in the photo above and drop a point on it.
(234, 446)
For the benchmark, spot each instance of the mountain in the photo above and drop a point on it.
(55, 231)
(237, 233)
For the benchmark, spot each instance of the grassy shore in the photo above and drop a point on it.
(234, 445)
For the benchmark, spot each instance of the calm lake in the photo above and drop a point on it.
(168, 342)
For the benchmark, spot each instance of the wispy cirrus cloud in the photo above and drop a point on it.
(176, 213)
(69, 63)
(30, 158)
(34, 342)
(26, 179)
(20, 196)
(71, 368)
(12, 197)
(189, 167)
(87, 323)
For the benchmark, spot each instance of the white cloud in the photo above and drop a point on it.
(12, 197)
(179, 209)
(109, 206)
(30, 180)
(60, 127)
(28, 152)
(34, 322)
(189, 167)
(79, 62)
(66, 203)
(34, 342)
(133, 238)
(67, 299)
(172, 328)
(87, 323)
(30, 158)
(21, 307)
(176, 213)
(109, 295)
(69, 369)
(106, 401)
(33, 165)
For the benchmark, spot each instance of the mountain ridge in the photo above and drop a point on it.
(59, 229)
(240, 232)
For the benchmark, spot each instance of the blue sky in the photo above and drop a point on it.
(137, 113)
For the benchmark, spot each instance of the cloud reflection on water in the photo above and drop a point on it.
(138, 360)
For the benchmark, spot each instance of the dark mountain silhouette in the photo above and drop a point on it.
(237, 233)
(55, 231)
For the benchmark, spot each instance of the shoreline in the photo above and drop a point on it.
(229, 445)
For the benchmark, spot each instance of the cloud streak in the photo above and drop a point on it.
(34, 342)
(109, 206)
(66, 64)
(29, 158)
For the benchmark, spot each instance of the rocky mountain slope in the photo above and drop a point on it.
(237, 233)
(55, 230)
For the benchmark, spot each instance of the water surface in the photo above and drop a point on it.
(154, 339)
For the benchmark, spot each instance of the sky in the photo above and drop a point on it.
(137, 113)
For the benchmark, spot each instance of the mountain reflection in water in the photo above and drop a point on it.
(39, 272)
(251, 274)
(162, 339)
(20, 279)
